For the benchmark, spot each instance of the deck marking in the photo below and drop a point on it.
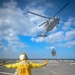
(6, 73)
(52, 71)
(72, 63)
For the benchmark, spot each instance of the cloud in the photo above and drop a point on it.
(49, 48)
(40, 4)
(14, 23)
(70, 34)
(58, 37)
(68, 44)
(39, 39)
(68, 24)
(1, 46)
(14, 44)
(74, 23)
(12, 4)
(54, 37)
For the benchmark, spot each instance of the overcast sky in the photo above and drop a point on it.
(19, 29)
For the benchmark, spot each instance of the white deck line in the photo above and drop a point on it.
(72, 63)
(51, 71)
(6, 73)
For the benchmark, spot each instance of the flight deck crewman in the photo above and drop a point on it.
(24, 67)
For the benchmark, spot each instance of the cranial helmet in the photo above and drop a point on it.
(23, 56)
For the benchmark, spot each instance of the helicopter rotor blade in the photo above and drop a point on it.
(42, 24)
(61, 9)
(38, 15)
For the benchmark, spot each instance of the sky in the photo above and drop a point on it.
(19, 29)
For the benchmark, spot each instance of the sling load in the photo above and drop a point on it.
(53, 52)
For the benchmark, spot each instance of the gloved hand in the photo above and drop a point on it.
(46, 61)
(3, 63)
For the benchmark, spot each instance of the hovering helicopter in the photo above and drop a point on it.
(51, 23)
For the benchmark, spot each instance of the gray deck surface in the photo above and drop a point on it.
(53, 68)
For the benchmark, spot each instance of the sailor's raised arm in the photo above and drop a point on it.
(37, 65)
(9, 65)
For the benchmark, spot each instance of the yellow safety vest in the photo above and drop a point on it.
(24, 67)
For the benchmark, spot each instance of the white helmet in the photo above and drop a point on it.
(23, 56)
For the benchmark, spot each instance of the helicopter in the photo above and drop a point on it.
(51, 23)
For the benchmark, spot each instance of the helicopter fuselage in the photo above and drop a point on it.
(52, 23)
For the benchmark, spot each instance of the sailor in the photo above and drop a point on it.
(24, 67)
